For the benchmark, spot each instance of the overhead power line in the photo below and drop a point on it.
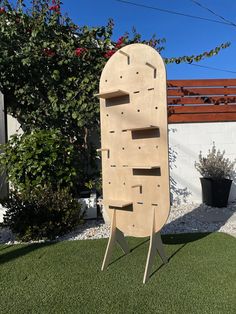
(211, 68)
(173, 12)
(213, 12)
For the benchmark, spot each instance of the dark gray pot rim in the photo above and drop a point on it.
(215, 179)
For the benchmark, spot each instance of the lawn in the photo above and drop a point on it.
(65, 277)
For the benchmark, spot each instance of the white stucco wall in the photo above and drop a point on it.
(13, 126)
(185, 142)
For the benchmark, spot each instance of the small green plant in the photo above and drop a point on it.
(215, 165)
(41, 213)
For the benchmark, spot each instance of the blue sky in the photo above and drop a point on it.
(184, 36)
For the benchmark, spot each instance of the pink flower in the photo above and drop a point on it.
(2, 10)
(120, 42)
(109, 53)
(54, 8)
(80, 51)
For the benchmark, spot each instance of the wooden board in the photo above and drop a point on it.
(112, 94)
(144, 181)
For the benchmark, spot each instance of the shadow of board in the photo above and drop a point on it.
(169, 240)
(16, 251)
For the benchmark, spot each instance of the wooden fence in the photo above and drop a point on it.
(207, 100)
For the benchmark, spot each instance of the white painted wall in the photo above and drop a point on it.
(185, 142)
(13, 126)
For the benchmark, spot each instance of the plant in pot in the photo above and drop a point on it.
(216, 171)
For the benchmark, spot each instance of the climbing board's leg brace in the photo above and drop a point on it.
(155, 246)
(115, 236)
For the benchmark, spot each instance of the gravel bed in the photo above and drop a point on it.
(182, 219)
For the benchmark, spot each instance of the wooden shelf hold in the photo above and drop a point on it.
(102, 150)
(112, 94)
(118, 203)
(144, 128)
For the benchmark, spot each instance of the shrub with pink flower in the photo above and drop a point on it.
(120, 42)
(80, 51)
(109, 53)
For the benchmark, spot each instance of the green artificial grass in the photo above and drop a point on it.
(65, 277)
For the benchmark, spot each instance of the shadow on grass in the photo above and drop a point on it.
(5, 247)
(184, 239)
(21, 251)
(174, 239)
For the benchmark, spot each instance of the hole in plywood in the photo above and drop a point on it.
(138, 110)
(128, 208)
(124, 183)
(139, 147)
(148, 133)
(156, 146)
(121, 76)
(118, 101)
(107, 115)
(123, 148)
(106, 81)
(136, 92)
(122, 112)
(152, 88)
(137, 72)
(153, 204)
(113, 166)
(156, 107)
(158, 185)
(147, 172)
(109, 182)
(140, 203)
(111, 131)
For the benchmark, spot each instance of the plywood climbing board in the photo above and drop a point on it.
(134, 147)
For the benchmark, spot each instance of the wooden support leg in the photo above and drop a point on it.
(115, 236)
(155, 246)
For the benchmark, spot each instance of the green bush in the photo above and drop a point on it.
(41, 158)
(41, 214)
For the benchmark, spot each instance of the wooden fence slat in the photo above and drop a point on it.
(201, 83)
(201, 109)
(201, 91)
(204, 100)
(213, 117)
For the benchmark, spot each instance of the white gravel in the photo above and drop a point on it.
(183, 218)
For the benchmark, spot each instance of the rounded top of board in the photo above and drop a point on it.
(136, 55)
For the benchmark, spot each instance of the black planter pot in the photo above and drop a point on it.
(215, 192)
